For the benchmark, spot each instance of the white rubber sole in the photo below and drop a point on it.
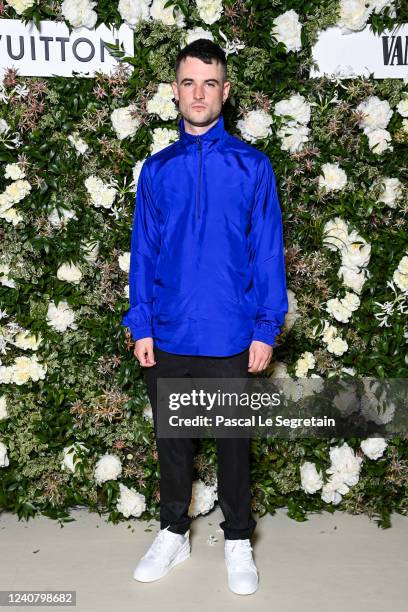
(183, 554)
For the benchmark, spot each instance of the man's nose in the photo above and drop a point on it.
(199, 91)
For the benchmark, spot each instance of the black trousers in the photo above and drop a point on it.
(176, 455)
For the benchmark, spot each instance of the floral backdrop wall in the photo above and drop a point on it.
(75, 422)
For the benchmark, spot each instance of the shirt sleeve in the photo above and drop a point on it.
(145, 247)
(267, 253)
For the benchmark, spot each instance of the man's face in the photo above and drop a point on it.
(200, 91)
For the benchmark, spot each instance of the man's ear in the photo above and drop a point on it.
(175, 89)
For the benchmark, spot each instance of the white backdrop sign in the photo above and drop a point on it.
(53, 51)
(362, 53)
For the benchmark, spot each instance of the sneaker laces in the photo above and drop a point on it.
(161, 544)
(239, 554)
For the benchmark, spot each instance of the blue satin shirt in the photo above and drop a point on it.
(207, 272)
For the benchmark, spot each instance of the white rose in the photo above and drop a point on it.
(71, 459)
(335, 234)
(338, 310)
(334, 489)
(401, 280)
(70, 273)
(292, 314)
(11, 216)
(209, 11)
(130, 502)
(108, 467)
(392, 191)
(162, 138)
(293, 136)
(58, 218)
(353, 277)
(353, 14)
(3, 407)
(311, 480)
(134, 11)
(345, 461)
(296, 107)
(402, 107)
(124, 122)
(377, 113)
(202, 499)
(26, 368)
(17, 190)
(373, 447)
(162, 103)
(25, 340)
(378, 141)
(357, 252)
(4, 460)
(333, 177)
(124, 261)
(20, 5)
(287, 29)
(61, 317)
(79, 143)
(79, 13)
(255, 125)
(6, 375)
(14, 172)
(337, 346)
(158, 12)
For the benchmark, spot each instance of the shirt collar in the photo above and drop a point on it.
(211, 137)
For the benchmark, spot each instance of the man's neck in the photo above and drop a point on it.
(197, 130)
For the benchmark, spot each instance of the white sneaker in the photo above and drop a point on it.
(167, 550)
(242, 572)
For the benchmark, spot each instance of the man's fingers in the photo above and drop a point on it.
(150, 356)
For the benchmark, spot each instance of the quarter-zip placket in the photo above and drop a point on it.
(200, 155)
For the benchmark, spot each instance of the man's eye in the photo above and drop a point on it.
(211, 84)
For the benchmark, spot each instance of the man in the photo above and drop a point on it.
(207, 295)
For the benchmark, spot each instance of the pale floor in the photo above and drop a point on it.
(333, 562)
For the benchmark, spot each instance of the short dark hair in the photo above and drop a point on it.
(205, 50)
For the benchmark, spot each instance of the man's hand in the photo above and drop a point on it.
(143, 351)
(260, 355)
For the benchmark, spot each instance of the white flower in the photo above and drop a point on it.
(342, 309)
(70, 273)
(162, 103)
(335, 234)
(194, 34)
(378, 5)
(137, 168)
(333, 177)
(4, 460)
(353, 277)
(11, 216)
(3, 407)
(378, 141)
(333, 489)
(20, 5)
(124, 261)
(4, 276)
(78, 143)
(311, 480)
(79, 13)
(373, 447)
(209, 11)
(101, 194)
(293, 136)
(287, 29)
(108, 467)
(353, 14)
(134, 11)
(203, 498)
(26, 368)
(292, 313)
(17, 190)
(58, 218)
(25, 340)
(377, 113)
(61, 317)
(337, 346)
(162, 138)
(279, 370)
(14, 172)
(255, 125)
(124, 122)
(130, 502)
(392, 191)
(296, 108)
(345, 462)
(71, 459)
(305, 362)
(157, 11)
(400, 276)
(6, 375)
(402, 107)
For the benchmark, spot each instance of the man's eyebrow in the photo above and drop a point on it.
(206, 80)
